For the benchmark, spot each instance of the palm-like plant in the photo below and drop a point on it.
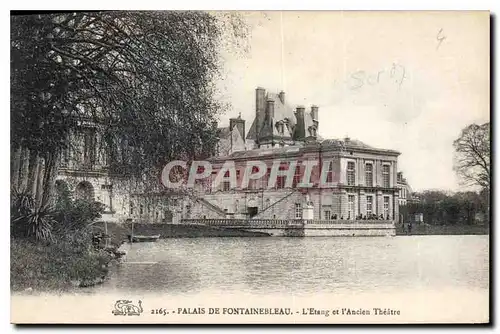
(30, 220)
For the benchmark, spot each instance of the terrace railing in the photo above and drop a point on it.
(276, 223)
(344, 221)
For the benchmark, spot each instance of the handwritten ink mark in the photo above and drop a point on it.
(394, 69)
(440, 38)
(359, 79)
(359, 76)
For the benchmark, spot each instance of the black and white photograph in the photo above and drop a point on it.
(250, 167)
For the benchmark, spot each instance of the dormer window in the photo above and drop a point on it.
(312, 131)
(280, 127)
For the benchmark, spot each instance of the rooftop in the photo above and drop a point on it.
(332, 144)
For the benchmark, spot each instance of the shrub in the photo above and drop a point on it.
(21, 204)
(74, 214)
(28, 220)
(77, 215)
(69, 258)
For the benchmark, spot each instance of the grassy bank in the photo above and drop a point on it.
(72, 261)
(61, 265)
(427, 229)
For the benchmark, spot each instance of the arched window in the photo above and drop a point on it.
(84, 191)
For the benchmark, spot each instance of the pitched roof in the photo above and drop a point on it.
(252, 132)
(264, 152)
(332, 143)
(224, 132)
(282, 111)
(348, 143)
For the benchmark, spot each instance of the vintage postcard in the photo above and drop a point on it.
(260, 167)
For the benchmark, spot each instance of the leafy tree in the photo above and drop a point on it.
(143, 82)
(432, 196)
(440, 208)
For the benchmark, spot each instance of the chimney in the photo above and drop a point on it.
(314, 112)
(260, 109)
(299, 131)
(270, 108)
(282, 97)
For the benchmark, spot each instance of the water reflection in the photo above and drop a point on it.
(303, 265)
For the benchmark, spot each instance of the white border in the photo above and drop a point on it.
(183, 5)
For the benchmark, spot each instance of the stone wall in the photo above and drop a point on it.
(312, 230)
(291, 228)
(281, 204)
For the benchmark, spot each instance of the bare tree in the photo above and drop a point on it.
(472, 155)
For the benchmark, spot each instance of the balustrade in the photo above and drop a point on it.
(276, 223)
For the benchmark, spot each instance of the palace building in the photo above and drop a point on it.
(406, 194)
(361, 180)
(349, 180)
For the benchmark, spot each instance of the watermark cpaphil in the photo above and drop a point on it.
(280, 173)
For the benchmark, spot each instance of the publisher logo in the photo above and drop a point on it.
(125, 307)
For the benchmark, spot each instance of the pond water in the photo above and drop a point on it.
(302, 266)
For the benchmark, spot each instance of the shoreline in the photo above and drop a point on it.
(58, 267)
(63, 267)
(428, 229)
(119, 232)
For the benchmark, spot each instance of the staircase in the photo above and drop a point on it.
(278, 201)
(209, 205)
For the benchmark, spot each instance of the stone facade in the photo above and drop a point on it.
(362, 180)
(405, 192)
(83, 171)
(348, 196)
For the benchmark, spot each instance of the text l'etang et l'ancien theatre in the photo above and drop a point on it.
(308, 311)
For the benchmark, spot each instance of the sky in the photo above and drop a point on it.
(408, 81)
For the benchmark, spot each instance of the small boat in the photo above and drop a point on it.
(143, 238)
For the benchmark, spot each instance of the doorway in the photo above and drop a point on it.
(252, 211)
